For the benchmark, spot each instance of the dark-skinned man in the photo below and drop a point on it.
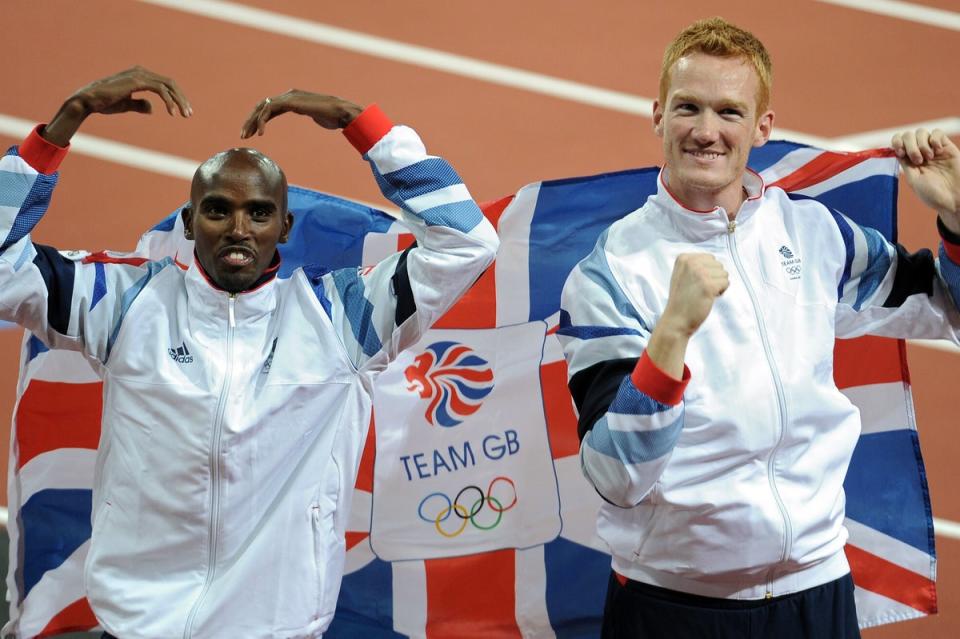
(223, 479)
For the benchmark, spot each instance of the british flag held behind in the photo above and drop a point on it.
(475, 437)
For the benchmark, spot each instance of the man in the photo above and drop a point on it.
(703, 371)
(235, 404)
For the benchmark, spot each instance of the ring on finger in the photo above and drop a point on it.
(267, 101)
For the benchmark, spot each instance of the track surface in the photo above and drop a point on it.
(839, 72)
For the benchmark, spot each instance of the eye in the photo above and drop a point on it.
(686, 107)
(261, 212)
(731, 112)
(215, 209)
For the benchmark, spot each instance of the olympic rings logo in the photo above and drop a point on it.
(793, 270)
(483, 502)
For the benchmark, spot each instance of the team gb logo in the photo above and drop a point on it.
(455, 380)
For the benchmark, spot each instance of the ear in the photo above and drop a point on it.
(658, 118)
(287, 225)
(186, 214)
(764, 128)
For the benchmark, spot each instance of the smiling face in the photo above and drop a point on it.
(237, 216)
(709, 121)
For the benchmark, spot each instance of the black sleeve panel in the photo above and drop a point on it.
(916, 273)
(594, 388)
(57, 273)
(406, 306)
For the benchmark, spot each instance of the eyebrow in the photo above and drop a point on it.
(724, 104)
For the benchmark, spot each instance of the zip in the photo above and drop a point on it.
(781, 403)
(215, 437)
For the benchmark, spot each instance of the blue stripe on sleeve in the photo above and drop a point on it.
(567, 328)
(878, 263)
(629, 400)
(420, 178)
(595, 267)
(358, 309)
(951, 275)
(462, 216)
(847, 234)
(315, 275)
(14, 187)
(633, 447)
(131, 294)
(99, 284)
(32, 208)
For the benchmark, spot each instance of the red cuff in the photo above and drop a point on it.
(42, 155)
(952, 250)
(656, 384)
(367, 128)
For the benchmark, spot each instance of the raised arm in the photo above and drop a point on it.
(627, 375)
(884, 289)
(380, 311)
(68, 301)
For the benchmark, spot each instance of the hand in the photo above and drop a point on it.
(698, 279)
(931, 165)
(328, 111)
(114, 94)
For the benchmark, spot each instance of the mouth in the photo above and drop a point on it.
(236, 256)
(704, 155)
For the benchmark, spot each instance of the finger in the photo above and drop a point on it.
(938, 140)
(910, 148)
(923, 144)
(138, 105)
(249, 125)
(896, 143)
(266, 112)
(183, 104)
(164, 94)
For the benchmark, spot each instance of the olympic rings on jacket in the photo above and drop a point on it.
(464, 514)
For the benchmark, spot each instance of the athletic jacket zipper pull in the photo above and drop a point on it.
(731, 226)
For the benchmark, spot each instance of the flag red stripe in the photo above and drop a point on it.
(477, 308)
(76, 617)
(365, 471)
(558, 409)
(53, 415)
(869, 360)
(109, 259)
(878, 575)
(472, 596)
(825, 166)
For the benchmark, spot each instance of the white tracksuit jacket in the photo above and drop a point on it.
(731, 485)
(233, 424)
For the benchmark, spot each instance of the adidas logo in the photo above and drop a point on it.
(786, 252)
(181, 354)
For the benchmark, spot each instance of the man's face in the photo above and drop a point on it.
(709, 124)
(237, 215)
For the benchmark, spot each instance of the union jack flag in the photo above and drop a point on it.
(552, 589)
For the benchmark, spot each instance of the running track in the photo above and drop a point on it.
(511, 91)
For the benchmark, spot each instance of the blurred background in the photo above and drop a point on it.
(510, 91)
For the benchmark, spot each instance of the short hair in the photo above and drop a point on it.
(717, 37)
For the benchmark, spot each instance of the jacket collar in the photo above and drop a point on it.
(249, 305)
(700, 225)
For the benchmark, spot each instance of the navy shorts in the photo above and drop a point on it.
(635, 610)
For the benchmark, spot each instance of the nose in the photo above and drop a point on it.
(239, 227)
(707, 128)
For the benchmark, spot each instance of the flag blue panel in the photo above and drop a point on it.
(880, 493)
(572, 213)
(55, 522)
(572, 568)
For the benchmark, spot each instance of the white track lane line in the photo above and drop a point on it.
(406, 53)
(904, 11)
